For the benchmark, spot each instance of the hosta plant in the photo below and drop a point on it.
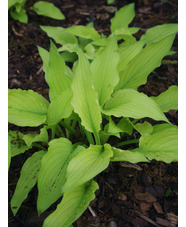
(87, 105)
(17, 11)
(91, 42)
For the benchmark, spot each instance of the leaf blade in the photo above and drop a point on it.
(104, 71)
(136, 72)
(85, 101)
(60, 107)
(161, 146)
(123, 17)
(87, 165)
(128, 156)
(27, 180)
(53, 170)
(26, 108)
(167, 100)
(57, 79)
(130, 103)
(159, 32)
(72, 206)
(48, 9)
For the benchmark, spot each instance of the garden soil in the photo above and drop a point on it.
(129, 195)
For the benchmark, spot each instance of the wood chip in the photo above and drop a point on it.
(145, 207)
(130, 165)
(164, 222)
(172, 218)
(158, 208)
(146, 218)
(147, 197)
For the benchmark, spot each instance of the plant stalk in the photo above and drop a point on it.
(53, 132)
(127, 142)
(89, 137)
(97, 139)
(65, 125)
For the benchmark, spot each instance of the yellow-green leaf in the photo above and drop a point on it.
(138, 69)
(159, 32)
(161, 145)
(87, 165)
(104, 71)
(48, 9)
(83, 31)
(168, 100)
(57, 79)
(123, 17)
(60, 107)
(85, 98)
(31, 138)
(27, 180)
(131, 103)
(26, 108)
(53, 171)
(127, 156)
(73, 204)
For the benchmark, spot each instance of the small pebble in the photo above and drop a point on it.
(112, 224)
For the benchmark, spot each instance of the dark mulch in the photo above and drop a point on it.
(143, 195)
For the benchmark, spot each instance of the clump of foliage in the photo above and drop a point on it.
(91, 42)
(43, 8)
(73, 143)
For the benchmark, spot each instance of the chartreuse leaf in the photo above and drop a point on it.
(110, 1)
(123, 17)
(161, 127)
(45, 58)
(131, 103)
(168, 100)
(48, 9)
(73, 204)
(104, 134)
(11, 3)
(9, 151)
(60, 107)
(128, 52)
(128, 156)
(53, 171)
(57, 79)
(18, 145)
(124, 125)
(26, 108)
(104, 71)
(137, 70)
(83, 32)
(31, 138)
(85, 98)
(162, 145)
(87, 165)
(27, 180)
(144, 128)
(20, 16)
(59, 35)
(100, 42)
(159, 32)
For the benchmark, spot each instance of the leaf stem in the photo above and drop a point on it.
(74, 124)
(127, 142)
(97, 139)
(39, 146)
(53, 131)
(89, 136)
(65, 125)
(59, 131)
